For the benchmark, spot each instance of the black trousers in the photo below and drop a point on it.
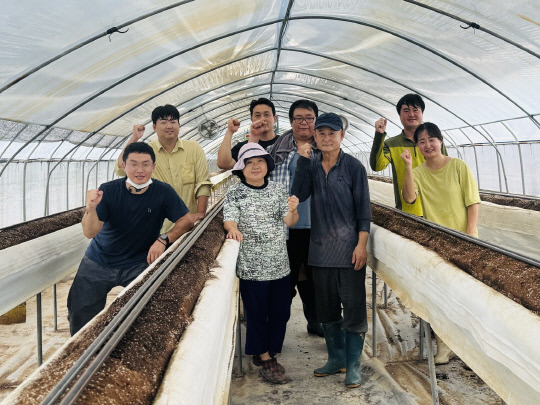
(88, 293)
(297, 250)
(268, 308)
(342, 287)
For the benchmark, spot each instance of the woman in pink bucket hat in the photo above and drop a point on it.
(255, 213)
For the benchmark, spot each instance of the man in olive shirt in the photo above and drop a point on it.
(179, 162)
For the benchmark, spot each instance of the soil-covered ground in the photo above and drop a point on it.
(515, 279)
(133, 372)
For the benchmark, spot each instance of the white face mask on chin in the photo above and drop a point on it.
(138, 187)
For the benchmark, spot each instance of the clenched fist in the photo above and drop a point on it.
(138, 132)
(380, 125)
(305, 150)
(233, 125)
(407, 158)
(292, 202)
(93, 198)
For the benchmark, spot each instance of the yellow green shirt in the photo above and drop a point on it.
(185, 169)
(446, 193)
(388, 151)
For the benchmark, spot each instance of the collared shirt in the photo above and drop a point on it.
(340, 207)
(284, 174)
(185, 169)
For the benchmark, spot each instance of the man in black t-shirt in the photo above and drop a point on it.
(263, 114)
(124, 218)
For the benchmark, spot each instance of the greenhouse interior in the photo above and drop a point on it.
(75, 80)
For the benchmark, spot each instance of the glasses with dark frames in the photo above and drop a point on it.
(299, 120)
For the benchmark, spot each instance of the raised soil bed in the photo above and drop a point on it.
(15, 234)
(133, 372)
(509, 201)
(514, 279)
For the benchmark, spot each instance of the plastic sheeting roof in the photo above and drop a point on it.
(61, 69)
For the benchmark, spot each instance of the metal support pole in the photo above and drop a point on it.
(431, 364)
(421, 340)
(239, 340)
(385, 290)
(373, 310)
(55, 310)
(39, 330)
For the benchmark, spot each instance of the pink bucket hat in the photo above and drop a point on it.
(249, 150)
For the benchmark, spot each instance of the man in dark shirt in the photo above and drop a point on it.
(340, 223)
(124, 218)
(263, 115)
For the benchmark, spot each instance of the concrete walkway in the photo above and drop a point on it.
(394, 377)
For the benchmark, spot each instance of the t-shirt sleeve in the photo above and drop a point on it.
(231, 211)
(235, 150)
(102, 208)
(174, 206)
(416, 184)
(469, 188)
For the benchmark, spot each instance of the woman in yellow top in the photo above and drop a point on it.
(449, 193)
(447, 187)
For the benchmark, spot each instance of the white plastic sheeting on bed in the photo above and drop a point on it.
(200, 369)
(495, 336)
(29, 268)
(512, 228)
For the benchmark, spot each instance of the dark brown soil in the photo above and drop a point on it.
(134, 370)
(380, 178)
(515, 279)
(532, 204)
(13, 235)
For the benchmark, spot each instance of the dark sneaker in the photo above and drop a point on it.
(315, 328)
(271, 371)
(258, 362)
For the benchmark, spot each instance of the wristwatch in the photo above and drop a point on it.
(164, 237)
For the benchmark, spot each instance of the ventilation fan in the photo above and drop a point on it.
(208, 129)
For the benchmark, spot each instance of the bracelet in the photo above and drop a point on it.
(162, 242)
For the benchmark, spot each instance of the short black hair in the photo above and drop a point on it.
(432, 130)
(139, 147)
(411, 100)
(306, 104)
(262, 100)
(165, 112)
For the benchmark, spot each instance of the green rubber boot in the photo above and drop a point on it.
(335, 344)
(354, 343)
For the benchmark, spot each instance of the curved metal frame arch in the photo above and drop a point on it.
(410, 88)
(303, 17)
(480, 28)
(24, 75)
(425, 47)
(235, 33)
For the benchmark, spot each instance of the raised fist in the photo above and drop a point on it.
(305, 150)
(93, 198)
(138, 132)
(380, 125)
(233, 125)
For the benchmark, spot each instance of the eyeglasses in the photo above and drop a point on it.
(299, 120)
(136, 166)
